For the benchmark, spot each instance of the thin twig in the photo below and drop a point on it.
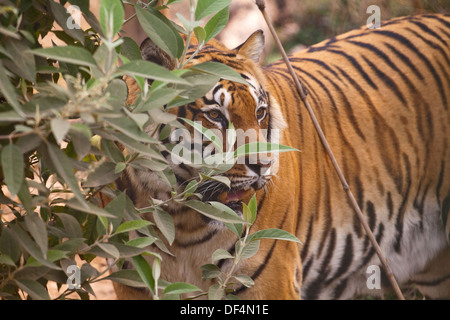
(261, 6)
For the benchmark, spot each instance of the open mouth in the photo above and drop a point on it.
(233, 198)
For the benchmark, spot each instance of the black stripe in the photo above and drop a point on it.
(389, 62)
(346, 260)
(387, 135)
(306, 267)
(402, 209)
(431, 283)
(314, 288)
(440, 181)
(181, 113)
(405, 59)
(390, 205)
(372, 215)
(305, 246)
(339, 289)
(357, 66)
(431, 44)
(318, 62)
(419, 202)
(443, 21)
(387, 80)
(347, 108)
(372, 251)
(407, 43)
(325, 266)
(427, 30)
(205, 238)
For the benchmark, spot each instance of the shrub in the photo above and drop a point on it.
(63, 113)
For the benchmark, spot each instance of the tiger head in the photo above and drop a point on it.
(252, 111)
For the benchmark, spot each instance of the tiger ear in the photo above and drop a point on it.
(253, 46)
(151, 52)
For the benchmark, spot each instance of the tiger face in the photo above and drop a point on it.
(247, 108)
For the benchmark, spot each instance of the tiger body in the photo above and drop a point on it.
(382, 97)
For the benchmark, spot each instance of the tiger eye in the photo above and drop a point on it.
(214, 114)
(260, 113)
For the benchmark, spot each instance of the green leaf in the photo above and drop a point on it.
(217, 23)
(208, 7)
(38, 230)
(33, 288)
(30, 246)
(4, 259)
(88, 208)
(130, 49)
(13, 167)
(110, 149)
(151, 70)
(249, 212)
(245, 280)
(215, 292)
(9, 245)
(109, 249)
(161, 31)
(111, 17)
(164, 222)
(60, 127)
(80, 135)
(127, 277)
(145, 271)
(141, 242)
(246, 214)
(200, 34)
(25, 197)
(222, 179)
(157, 98)
(23, 63)
(9, 93)
(221, 254)
(69, 54)
(129, 127)
(253, 207)
(210, 271)
(272, 233)
(261, 148)
(213, 212)
(250, 249)
(142, 149)
(118, 92)
(180, 288)
(132, 225)
(120, 166)
(71, 225)
(62, 16)
(221, 70)
(103, 175)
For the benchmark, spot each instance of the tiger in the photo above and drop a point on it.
(382, 97)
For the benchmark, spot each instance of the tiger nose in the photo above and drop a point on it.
(260, 166)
